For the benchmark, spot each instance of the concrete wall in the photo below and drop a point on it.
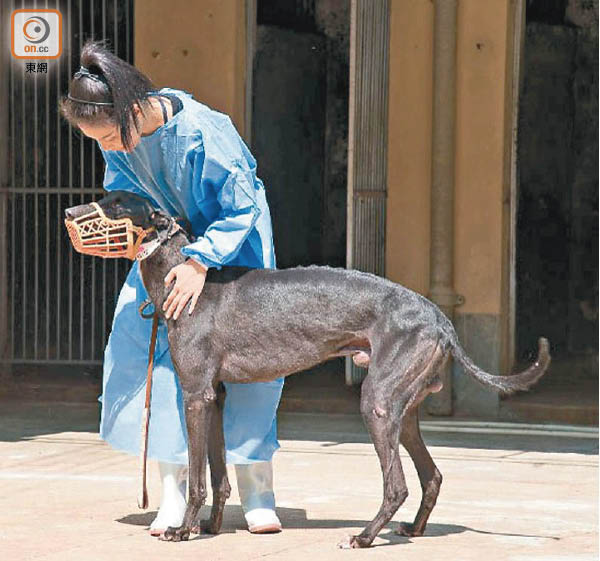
(196, 46)
(483, 49)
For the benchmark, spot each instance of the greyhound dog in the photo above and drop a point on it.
(256, 325)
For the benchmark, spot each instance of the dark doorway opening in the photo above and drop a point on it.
(300, 140)
(557, 222)
(300, 125)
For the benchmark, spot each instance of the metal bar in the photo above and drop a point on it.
(81, 201)
(92, 300)
(58, 190)
(103, 299)
(3, 248)
(59, 361)
(116, 35)
(36, 211)
(128, 54)
(70, 306)
(13, 271)
(251, 11)
(58, 213)
(47, 199)
(116, 27)
(4, 177)
(23, 218)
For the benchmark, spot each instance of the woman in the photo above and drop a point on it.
(189, 161)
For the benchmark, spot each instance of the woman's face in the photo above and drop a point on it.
(108, 136)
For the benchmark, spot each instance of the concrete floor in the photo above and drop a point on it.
(66, 496)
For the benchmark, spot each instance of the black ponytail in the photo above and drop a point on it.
(105, 90)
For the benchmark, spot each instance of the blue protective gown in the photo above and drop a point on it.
(195, 166)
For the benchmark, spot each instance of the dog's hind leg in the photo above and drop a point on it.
(410, 437)
(429, 476)
(376, 409)
(400, 377)
(218, 469)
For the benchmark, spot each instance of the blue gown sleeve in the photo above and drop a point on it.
(232, 180)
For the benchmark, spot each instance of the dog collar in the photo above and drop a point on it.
(145, 250)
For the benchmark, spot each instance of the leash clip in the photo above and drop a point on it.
(143, 306)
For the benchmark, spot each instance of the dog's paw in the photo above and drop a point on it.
(353, 542)
(408, 529)
(208, 526)
(175, 534)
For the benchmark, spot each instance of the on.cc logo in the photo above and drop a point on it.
(36, 33)
(36, 29)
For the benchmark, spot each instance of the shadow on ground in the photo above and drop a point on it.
(295, 518)
(22, 420)
(344, 429)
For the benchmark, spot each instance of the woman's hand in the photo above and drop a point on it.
(189, 280)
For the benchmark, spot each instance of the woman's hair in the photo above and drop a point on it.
(106, 89)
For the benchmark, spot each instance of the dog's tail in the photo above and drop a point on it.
(507, 384)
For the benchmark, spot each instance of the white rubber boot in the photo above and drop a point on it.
(173, 503)
(255, 486)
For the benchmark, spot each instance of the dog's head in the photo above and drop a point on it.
(116, 225)
(122, 204)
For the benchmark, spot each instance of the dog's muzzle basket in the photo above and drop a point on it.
(96, 234)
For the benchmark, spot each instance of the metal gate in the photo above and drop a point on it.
(367, 143)
(58, 304)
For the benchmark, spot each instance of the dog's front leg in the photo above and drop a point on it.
(218, 468)
(198, 411)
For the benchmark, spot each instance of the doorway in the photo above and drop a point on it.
(557, 220)
(300, 126)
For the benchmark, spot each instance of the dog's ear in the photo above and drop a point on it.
(160, 219)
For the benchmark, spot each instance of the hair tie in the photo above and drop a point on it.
(84, 72)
